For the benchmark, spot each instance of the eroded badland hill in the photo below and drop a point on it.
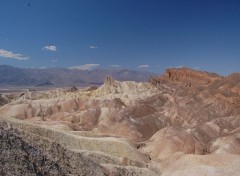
(185, 122)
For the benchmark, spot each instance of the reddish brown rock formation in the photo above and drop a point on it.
(187, 77)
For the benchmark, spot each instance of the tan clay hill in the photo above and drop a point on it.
(185, 122)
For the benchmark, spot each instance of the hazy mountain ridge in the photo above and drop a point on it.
(66, 77)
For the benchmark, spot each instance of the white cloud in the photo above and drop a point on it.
(50, 48)
(116, 66)
(85, 67)
(143, 66)
(11, 55)
(93, 47)
(179, 66)
(54, 60)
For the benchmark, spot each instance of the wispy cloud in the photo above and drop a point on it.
(50, 48)
(179, 66)
(11, 55)
(115, 66)
(85, 67)
(54, 60)
(143, 66)
(93, 47)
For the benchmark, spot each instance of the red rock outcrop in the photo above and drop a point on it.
(187, 77)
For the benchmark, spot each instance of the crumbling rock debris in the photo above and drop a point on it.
(21, 155)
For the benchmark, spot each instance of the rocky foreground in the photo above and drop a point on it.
(185, 122)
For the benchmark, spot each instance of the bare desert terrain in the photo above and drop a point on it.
(184, 122)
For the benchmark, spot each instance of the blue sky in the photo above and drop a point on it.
(135, 34)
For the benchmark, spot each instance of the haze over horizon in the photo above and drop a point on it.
(137, 34)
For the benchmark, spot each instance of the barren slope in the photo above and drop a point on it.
(177, 124)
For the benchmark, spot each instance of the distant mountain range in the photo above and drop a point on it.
(66, 77)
